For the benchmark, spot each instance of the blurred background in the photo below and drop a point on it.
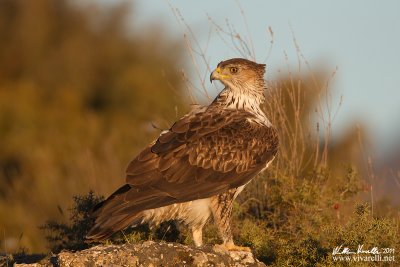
(84, 85)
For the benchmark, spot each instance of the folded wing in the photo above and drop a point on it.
(203, 154)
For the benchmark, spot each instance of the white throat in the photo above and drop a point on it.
(248, 100)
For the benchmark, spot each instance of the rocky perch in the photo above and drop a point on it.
(149, 254)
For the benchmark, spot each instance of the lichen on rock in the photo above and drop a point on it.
(150, 253)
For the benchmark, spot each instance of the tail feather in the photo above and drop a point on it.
(108, 228)
(124, 208)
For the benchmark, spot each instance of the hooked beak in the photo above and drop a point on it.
(215, 75)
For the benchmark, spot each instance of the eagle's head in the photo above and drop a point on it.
(240, 73)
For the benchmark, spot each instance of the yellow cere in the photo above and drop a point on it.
(221, 76)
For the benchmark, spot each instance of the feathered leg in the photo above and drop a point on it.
(197, 233)
(221, 207)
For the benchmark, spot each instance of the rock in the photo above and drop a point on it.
(148, 254)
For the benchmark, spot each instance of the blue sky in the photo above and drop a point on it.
(360, 37)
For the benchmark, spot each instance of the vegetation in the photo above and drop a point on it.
(75, 92)
(75, 98)
(297, 225)
(72, 236)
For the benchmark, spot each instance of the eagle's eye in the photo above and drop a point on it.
(233, 69)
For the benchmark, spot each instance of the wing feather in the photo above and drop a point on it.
(224, 142)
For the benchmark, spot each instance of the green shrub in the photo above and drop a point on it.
(288, 223)
(72, 235)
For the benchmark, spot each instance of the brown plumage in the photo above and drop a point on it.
(199, 166)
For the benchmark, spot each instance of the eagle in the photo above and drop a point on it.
(196, 169)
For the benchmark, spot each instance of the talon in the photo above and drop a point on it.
(232, 247)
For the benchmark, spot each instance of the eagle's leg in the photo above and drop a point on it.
(221, 207)
(197, 233)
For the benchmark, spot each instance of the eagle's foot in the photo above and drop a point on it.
(231, 247)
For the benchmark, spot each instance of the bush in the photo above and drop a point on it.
(72, 236)
(285, 225)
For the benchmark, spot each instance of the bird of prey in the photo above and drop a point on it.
(197, 168)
